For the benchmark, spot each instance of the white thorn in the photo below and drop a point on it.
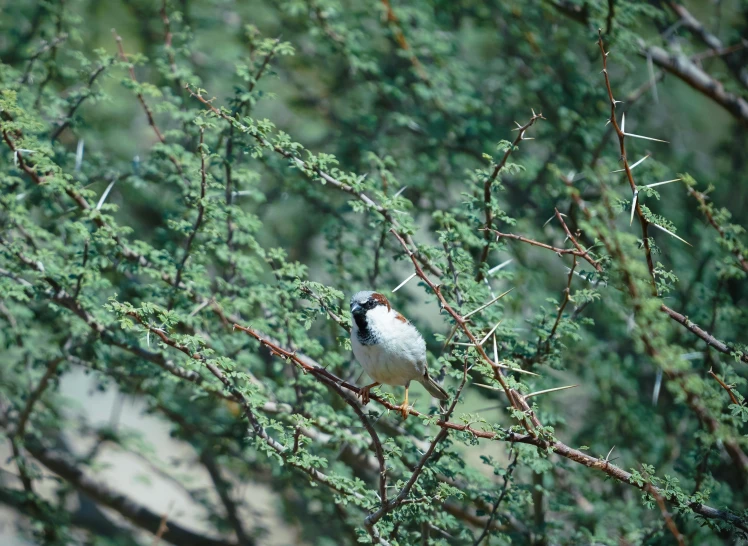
(497, 298)
(79, 155)
(406, 281)
(645, 137)
(400, 191)
(670, 233)
(640, 161)
(548, 390)
(489, 333)
(500, 266)
(657, 385)
(661, 183)
(633, 206)
(105, 194)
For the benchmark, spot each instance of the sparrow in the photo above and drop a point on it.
(389, 347)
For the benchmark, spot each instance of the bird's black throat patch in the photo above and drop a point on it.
(365, 334)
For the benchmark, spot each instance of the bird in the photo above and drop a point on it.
(388, 347)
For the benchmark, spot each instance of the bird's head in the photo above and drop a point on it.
(366, 300)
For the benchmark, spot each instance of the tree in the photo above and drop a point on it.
(189, 202)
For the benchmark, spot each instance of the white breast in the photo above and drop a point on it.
(398, 357)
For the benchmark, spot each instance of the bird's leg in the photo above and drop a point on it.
(404, 406)
(364, 393)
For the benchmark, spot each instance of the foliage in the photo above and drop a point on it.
(188, 204)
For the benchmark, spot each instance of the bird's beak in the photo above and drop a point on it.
(355, 308)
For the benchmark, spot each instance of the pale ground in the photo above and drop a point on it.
(130, 474)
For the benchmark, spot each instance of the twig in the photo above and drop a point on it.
(148, 112)
(36, 395)
(167, 39)
(63, 124)
(708, 338)
(402, 42)
(567, 297)
(223, 488)
(584, 253)
(665, 514)
(334, 316)
(724, 386)
(138, 94)
(46, 46)
(622, 146)
(504, 490)
(200, 212)
(310, 169)
(162, 528)
(706, 209)
(580, 253)
(487, 190)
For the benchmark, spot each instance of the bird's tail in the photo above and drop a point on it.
(433, 387)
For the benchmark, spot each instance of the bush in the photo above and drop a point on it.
(189, 203)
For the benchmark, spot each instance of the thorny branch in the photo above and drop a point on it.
(490, 179)
(308, 168)
(560, 448)
(200, 212)
(504, 490)
(147, 109)
(725, 386)
(665, 514)
(63, 124)
(578, 253)
(627, 168)
(567, 298)
(706, 210)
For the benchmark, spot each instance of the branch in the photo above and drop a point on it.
(306, 168)
(697, 28)
(147, 109)
(703, 334)
(200, 212)
(579, 253)
(36, 395)
(558, 447)
(619, 132)
(120, 503)
(239, 397)
(706, 209)
(397, 31)
(682, 67)
(665, 514)
(487, 189)
(567, 297)
(725, 386)
(504, 490)
(69, 116)
(223, 488)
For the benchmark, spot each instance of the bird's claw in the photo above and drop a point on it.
(365, 396)
(404, 409)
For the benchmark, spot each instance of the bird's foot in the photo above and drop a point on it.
(365, 393)
(404, 409)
